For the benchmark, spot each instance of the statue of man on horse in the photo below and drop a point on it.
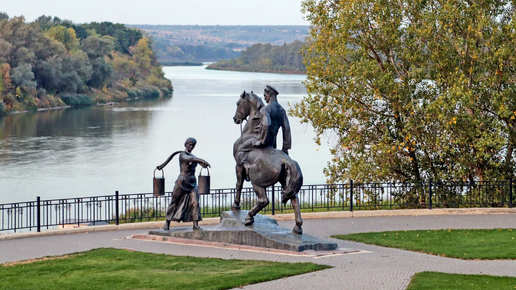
(256, 156)
(273, 117)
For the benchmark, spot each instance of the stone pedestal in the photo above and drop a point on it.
(265, 233)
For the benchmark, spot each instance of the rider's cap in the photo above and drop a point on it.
(269, 88)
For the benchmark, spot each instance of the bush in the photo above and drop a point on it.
(166, 92)
(132, 94)
(150, 93)
(77, 100)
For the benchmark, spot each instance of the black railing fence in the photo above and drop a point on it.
(124, 208)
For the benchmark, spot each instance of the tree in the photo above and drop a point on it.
(413, 89)
(64, 35)
(97, 48)
(24, 77)
(3, 16)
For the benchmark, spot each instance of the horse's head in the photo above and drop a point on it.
(243, 108)
(247, 105)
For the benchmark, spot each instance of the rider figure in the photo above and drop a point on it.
(273, 118)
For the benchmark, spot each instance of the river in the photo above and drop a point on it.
(97, 150)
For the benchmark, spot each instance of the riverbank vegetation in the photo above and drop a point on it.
(125, 269)
(410, 93)
(52, 63)
(266, 58)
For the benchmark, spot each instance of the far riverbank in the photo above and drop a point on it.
(256, 70)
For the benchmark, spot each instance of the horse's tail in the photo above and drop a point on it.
(293, 180)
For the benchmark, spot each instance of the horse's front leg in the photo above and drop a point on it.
(239, 169)
(297, 213)
(262, 202)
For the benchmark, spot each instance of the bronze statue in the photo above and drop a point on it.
(184, 206)
(267, 165)
(272, 117)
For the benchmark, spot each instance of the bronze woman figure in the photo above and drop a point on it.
(184, 206)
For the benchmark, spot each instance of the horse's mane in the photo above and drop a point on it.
(259, 101)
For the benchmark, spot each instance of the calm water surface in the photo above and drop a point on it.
(98, 150)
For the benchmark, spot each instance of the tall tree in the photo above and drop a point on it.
(3, 16)
(64, 35)
(413, 89)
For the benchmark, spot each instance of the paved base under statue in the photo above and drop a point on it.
(265, 232)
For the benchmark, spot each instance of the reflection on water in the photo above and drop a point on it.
(97, 150)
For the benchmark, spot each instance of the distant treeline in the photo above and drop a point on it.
(52, 62)
(198, 43)
(167, 52)
(266, 58)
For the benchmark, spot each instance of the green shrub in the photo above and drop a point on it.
(132, 94)
(150, 92)
(76, 100)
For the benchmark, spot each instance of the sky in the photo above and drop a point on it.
(172, 12)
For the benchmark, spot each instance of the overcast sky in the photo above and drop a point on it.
(182, 12)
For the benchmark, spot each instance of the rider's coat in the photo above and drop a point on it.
(273, 118)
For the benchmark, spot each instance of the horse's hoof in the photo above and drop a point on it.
(297, 230)
(235, 207)
(166, 227)
(249, 220)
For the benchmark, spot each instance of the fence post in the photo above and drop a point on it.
(38, 213)
(510, 192)
(273, 200)
(351, 194)
(116, 209)
(430, 194)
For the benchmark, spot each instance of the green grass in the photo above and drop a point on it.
(443, 281)
(485, 244)
(121, 269)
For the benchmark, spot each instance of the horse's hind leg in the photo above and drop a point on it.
(297, 213)
(239, 169)
(262, 202)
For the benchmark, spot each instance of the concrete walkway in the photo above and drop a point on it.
(373, 268)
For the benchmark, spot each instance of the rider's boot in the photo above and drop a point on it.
(196, 225)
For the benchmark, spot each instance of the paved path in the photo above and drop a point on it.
(375, 268)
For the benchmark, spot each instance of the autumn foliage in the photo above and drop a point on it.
(51, 62)
(413, 90)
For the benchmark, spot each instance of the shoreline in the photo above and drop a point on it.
(260, 71)
(68, 107)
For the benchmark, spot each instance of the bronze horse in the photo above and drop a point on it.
(268, 165)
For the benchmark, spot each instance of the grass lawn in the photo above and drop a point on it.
(486, 244)
(122, 269)
(443, 281)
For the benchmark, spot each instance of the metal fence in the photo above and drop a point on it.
(123, 208)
